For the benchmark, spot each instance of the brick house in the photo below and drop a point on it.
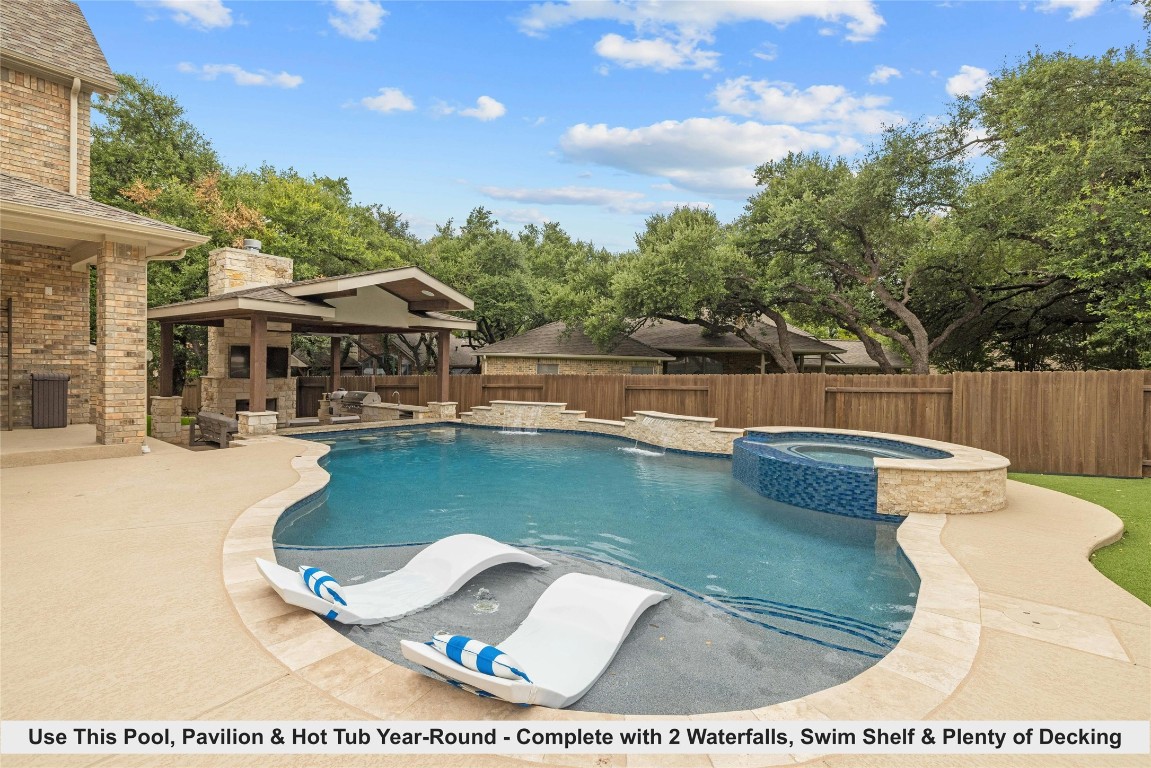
(555, 348)
(53, 233)
(668, 347)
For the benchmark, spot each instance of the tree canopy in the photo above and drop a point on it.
(1013, 233)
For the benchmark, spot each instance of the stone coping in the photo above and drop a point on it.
(676, 417)
(528, 402)
(927, 666)
(964, 458)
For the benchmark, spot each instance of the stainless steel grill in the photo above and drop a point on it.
(354, 402)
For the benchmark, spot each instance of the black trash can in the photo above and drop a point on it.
(49, 399)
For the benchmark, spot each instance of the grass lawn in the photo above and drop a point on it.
(1127, 562)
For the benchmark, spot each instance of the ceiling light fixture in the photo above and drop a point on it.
(427, 293)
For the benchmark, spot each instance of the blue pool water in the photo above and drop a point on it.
(680, 518)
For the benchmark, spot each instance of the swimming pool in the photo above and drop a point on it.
(684, 520)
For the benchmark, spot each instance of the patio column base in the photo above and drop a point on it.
(441, 410)
(257, 422)
(166, 412)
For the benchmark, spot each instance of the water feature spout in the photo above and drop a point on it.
(525, 421)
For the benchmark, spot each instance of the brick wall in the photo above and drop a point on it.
(120, 387)
(50, 330)
(34, 130)
(568, 365)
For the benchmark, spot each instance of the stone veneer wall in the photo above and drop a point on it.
(566, 365)
(234, 269)
(684, 433)
(904, 491)
(35, 121)
(120, 386)
(50, 332)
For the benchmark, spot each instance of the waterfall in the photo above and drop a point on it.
(656, 432)
(525, 420)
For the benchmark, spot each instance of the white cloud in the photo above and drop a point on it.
(389, 100)
(658, 54)
(882, 74)
(201, 14)
(670, 33)
(357, 19)
(860, 17)
(712, 155)
(521, 216)
(970, 81)
(242, 76)
(486, 109)
(611, 200)
(825, 107)
(1080, 9)
(767, 52)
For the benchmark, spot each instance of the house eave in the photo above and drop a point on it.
(18, 61)
(538, 356)
(27, 223)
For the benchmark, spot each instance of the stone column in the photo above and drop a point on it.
(120, 389)
(166, 412)
(441, 410)
(256, 422)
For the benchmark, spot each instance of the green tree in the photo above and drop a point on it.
(1070, 142)
(490, 265)
(144, 137)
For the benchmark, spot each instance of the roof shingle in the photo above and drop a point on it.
(21, 191)
(558, 339)
(55, 35)
(671, 336)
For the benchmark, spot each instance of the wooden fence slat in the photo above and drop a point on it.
(1073, 422)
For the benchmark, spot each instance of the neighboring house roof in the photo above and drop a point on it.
(39, 214)
(53, 36)
(557, 340)
(671, 336)
(381, 301)
(854, 355)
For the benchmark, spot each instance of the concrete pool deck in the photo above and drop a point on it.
(185, 632)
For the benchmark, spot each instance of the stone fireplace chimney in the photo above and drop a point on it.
(222, 387)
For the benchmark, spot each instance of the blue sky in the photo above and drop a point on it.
(593, 114)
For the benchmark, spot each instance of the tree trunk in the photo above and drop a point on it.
(777, 344)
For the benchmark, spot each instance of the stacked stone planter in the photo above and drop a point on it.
(664, 430)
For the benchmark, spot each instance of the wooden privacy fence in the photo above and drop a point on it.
(1070, 422)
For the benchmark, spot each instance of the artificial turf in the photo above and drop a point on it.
(1127, 562)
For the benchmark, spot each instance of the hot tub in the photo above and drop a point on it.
(867, 474)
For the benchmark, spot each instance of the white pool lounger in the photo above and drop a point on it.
(564, 645)
(431, 576)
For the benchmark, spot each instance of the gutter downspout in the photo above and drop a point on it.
(73, 139)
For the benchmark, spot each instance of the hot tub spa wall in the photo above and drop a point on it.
(803, 482)
(903, 491)
(969, 481)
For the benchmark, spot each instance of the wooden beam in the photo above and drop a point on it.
(893, 390)
(167, 363)
(667, 388)
(444, 354)
(334, 376)
(258, 364)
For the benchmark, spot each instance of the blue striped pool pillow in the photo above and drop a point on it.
(481, 657)
(322, 585)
